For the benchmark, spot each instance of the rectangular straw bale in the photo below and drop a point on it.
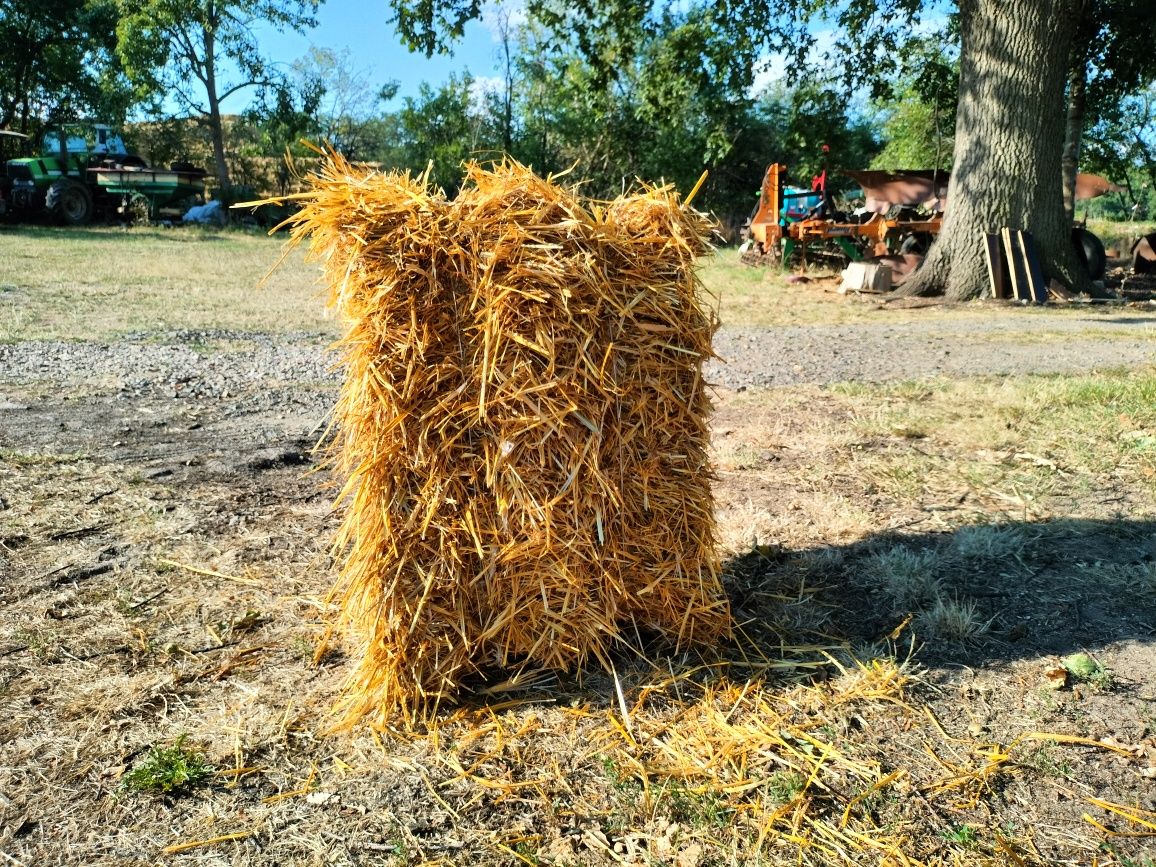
(522, 426)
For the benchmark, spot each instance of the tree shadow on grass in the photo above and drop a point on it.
(113, 232)
(976, 595)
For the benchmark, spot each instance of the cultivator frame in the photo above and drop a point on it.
(779, 231)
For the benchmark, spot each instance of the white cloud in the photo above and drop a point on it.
(483, 86)
(507, 15)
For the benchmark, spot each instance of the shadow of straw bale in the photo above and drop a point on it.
(1016, 591)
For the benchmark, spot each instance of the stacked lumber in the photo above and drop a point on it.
(522, 427)
(1014, 269)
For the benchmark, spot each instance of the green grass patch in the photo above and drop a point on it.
(1087, 669)
(168, 770)
(1119, 234)
(962, 835)
(1025, 439)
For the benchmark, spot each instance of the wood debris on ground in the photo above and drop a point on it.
(522, 426)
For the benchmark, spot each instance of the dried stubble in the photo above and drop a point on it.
(522, 427)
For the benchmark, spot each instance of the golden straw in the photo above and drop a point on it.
(522, 426)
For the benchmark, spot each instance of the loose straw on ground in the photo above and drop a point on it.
(522, 426)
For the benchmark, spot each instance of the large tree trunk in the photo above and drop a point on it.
(1074, 138)
(1009, 134)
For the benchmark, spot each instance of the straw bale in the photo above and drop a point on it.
(522, 426)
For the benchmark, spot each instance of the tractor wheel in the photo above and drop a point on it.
(916, 242)
(69, 202)
(136, 208)
(1090, 250)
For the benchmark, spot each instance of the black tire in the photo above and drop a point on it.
(917, 242)
(69, 202)
(1090, 251)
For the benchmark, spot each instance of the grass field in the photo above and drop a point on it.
(1120, 236)
(81, 293)
(945, 589)
(103, 282)
(108, 281)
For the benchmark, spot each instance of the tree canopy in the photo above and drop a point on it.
(183, 50)
(1012, 88)
(625, 89)
(917, 108)
(58, 62)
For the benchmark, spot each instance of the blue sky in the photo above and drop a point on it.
(363, 28)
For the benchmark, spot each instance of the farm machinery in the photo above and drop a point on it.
(900, 218)
(797, 223)
(79, 175)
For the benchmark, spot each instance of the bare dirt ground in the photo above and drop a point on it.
(164, 559)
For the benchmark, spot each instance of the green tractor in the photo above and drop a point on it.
(85, 172)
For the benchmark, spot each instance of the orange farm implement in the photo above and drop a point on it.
(791, 224)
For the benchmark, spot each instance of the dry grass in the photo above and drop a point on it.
(783, 754)
(947, 619)
(762, 296)
(989, 542)
(907, 578)
(816, 738)
(100, 282)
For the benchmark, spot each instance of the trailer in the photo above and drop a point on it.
(155, 188)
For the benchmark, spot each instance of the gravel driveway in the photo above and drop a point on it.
(225, 364)
(999, 342)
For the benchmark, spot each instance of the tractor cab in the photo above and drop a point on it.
(90, 145)
(58, 180)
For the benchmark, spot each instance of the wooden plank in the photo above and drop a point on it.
(997, 272)
(1017, 268)
(1060, 292)
(1037, 282)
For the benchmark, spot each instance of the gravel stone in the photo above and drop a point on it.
(261, 371)
(1000, 342)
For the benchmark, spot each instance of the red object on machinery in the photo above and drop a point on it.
(1090, 186)
(819, 182)
(884, 190)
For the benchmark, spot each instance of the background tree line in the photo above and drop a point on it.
(638, 91)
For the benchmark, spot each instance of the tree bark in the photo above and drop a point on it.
(1073, 139)
(216, 125)
(1009, 135)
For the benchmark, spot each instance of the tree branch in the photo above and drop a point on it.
(242, 85)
